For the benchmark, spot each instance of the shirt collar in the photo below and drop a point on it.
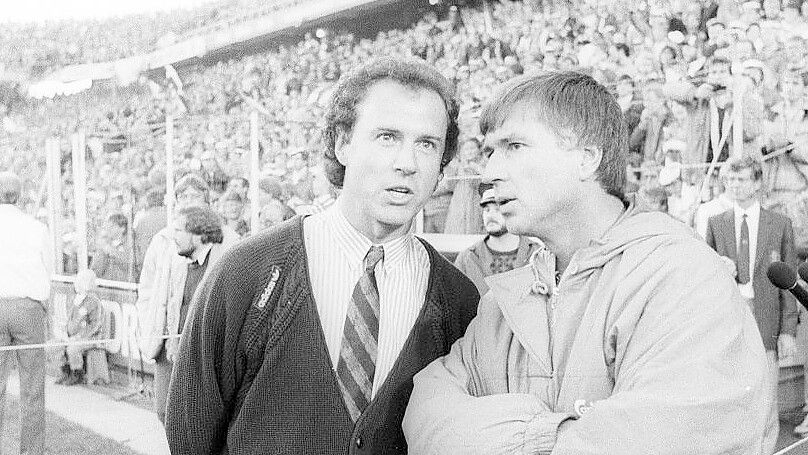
(752, 212)
(355, 245)
(205, 253)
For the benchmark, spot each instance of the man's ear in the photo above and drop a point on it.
(590, 162)
(341, 146)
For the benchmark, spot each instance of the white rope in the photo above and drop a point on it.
(17, 347)
(792, 446)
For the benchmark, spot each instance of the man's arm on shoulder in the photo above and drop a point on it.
(444, 415)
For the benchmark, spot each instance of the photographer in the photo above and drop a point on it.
(711, 100)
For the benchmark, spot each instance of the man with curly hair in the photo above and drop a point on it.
(307, 336)
(195, 241)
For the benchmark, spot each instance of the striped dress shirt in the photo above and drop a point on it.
(335, 251)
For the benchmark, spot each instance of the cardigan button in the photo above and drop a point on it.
(358, 442)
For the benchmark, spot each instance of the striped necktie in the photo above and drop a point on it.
(357, 357)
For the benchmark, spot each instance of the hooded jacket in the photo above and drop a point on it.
(643, 346)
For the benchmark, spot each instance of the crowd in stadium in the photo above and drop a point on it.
(676, 67)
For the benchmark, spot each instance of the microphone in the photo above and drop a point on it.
(784, 277)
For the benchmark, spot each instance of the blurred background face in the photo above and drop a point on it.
(238, 186)
(740, 185)
(625, 89)
(793, 88)
(232, 210)
(718, 74)
(190, 197)
(470, 151)
(771, 8)
(493, 220)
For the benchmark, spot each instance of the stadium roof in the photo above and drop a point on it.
(54, 10)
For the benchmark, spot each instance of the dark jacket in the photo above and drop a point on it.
(475, 262)
(774, 309)
(254, 374)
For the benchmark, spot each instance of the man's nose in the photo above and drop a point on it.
(405, 159)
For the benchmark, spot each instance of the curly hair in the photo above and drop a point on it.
(341, 115)
(203, 221)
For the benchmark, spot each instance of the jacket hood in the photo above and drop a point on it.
(639, 224)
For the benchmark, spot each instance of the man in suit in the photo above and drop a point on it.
(306, 337)
(750, 238)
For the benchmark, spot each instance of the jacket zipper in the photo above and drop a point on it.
(551, 306)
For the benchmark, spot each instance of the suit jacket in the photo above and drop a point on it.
(775, 310)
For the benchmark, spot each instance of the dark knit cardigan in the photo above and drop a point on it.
(254, 375)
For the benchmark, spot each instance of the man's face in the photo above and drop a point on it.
(238, 186)
(232, 209)
(271, 215)
(535, 177)
(185, 241)
(740, 185)
(189, 197)
(718, 74)
(493, 220)
(715, 32)
(771, 8)
(625, 88)
(392, 158)
(795, 49)
(793, 88)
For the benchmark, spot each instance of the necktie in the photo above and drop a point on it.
(357, 357)
(743, 253)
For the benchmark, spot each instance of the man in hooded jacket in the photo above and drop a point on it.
(625, 335)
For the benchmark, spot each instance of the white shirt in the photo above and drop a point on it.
(26, 256)
(753, 221)
(335, 252)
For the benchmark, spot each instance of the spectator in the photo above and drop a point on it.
(464, 215)
(85, 319)
(232, 208)
(148, 222)
(113, 258)
(275, 212)
(739, 235)
(499, 251)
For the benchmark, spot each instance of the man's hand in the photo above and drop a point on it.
(786, 346)
(730, 265)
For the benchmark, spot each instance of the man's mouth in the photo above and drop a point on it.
(400, 189)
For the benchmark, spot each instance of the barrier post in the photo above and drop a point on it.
(80, 197)
(169, 198)
(53, 175)
(255, 175)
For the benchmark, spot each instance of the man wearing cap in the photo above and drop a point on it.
(26, 264)
(500, 251)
